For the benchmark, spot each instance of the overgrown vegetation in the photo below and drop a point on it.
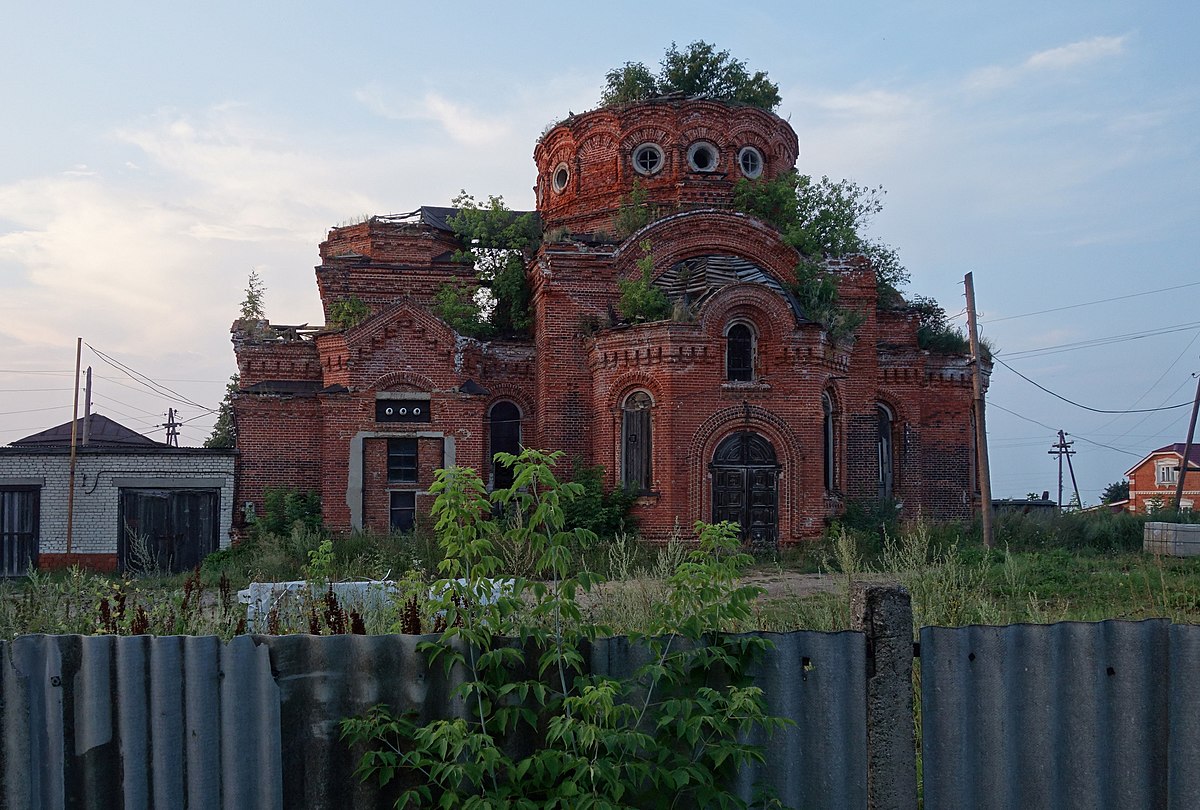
(224, 432)
(635, 212)
(699, 70)
(346, 313)
(825, 219)
(252, 307)
(497, 242)
(538, 731)
(640, 300)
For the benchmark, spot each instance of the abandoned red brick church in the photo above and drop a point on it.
(738, 407)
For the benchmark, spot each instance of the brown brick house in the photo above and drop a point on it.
(1154, 479)
(738, 407)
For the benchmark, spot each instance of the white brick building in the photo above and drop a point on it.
(133, 496)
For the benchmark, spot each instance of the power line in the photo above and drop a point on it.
(35, 410)
(1076, 435)
(29, 390)
(1102, 341)
(1041, 387)
(142, 379)
(28, 371)
(1090, 303)
(1019, 416)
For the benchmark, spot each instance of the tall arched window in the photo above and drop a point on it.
(739, 353)
(504, 436)
(827, 440)
(884, 445)
(635, 442)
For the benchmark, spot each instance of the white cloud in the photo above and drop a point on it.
(462, 124)
(1061, 59)
(1077, 53)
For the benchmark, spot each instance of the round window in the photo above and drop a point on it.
(647, 158)
(751, 162)
(703, 156)
(562, 176)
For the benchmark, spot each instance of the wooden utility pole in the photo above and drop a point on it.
(1187, 447)
(74, 436)
(1063, 448)
(981, 451)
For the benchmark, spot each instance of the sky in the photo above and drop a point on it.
(152, 155)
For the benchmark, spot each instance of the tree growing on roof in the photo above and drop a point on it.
(698, 70)
(252, 304)
(498, 242)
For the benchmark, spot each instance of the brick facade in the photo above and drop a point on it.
(308, 414)
(1154, 479)
(100, 476)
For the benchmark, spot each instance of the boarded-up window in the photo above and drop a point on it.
(884, 451)
(18, 530)
(402, 460)
(504, 436)
(403, 511)
(827, 440)
(635, 435)
(739, 353)
(167, 529)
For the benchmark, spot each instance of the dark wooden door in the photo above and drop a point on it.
(167, 529)
(746, 487)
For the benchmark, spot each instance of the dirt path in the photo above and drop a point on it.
(786, 583)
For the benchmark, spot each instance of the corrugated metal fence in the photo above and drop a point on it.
(1057, 716)
(177, 722)
(1071, 715)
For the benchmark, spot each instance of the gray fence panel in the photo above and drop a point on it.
(818, 682)
(1183, 782)
(323, 679)
(1072, 715)
(187, 722)
(139, 722)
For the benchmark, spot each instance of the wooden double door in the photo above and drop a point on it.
(745, 475)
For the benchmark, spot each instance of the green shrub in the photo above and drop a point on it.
(604, 514)
(673, 733)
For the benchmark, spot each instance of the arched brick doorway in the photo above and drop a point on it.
(745, 477)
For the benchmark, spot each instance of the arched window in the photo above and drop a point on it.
(504, 436)
(739, 353)
(636, 442)
(827, 442)
(886, 456)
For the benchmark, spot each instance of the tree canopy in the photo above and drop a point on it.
(698, 70)
(1116, 491)
(224, 432)
(498, 242)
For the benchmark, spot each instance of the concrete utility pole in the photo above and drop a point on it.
(1187, 447)
(981, 451)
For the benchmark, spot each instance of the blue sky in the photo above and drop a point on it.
(151, 155)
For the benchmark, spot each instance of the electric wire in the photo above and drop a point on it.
(1089, 303)
(1055, 431)
(35, 410)
(1041, 351)
(1041, 387)
(142, 379)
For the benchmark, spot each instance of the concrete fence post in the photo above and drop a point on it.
(884, 613)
